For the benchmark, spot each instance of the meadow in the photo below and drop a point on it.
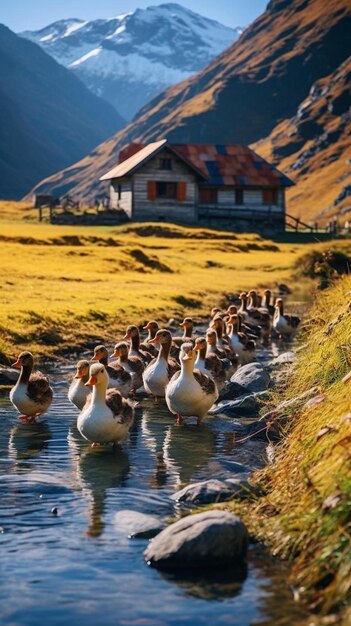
(64, 287)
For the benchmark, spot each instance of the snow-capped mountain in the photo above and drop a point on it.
(130, 58)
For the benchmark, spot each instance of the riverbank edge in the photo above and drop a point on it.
(304, 512)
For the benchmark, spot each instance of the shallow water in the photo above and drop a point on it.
(79, 566)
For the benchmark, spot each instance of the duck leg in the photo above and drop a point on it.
(179, 420)
(95, 444)
(27, 419)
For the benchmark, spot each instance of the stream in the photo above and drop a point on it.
(77, 565)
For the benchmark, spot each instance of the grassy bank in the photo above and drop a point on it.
(305, 512)
(64, 286)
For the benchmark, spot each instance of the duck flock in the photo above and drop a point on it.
(188, 372)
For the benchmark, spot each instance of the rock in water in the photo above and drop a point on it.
(138, 525)
(208, 539)
(250, 378)
(208, 491)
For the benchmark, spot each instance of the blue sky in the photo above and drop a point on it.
(33, 14)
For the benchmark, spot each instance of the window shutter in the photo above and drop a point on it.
(151, 190)
(181, 192)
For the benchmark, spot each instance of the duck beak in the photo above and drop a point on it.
(79, 375)
(182, 324)
(17, 364)
(147, 327)
(154, 340)
(92, 381)
(127, 336)
(188, 356)
(95, 357)
(197, 348)
(115, 354)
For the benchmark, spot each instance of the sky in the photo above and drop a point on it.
(34, 14)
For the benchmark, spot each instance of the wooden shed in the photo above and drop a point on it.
(221, 185)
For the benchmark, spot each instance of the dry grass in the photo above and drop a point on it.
(305, 514)
(62, 286)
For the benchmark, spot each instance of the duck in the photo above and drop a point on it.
(106, 417)
(189, 392)
(266, 306)
(210, 365)
(118, 377)
(244, 348)
(223, 342)
(188, 325)
(284, 325)
(152, 328)
(32, 394)
(212, 344)
(78, 391)
(159, 372)
(133, 335)
(131, 363)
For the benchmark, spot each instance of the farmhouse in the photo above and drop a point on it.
(221, 185)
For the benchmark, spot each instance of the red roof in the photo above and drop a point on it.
(230, 165)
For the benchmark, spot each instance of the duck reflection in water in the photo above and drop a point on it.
(212, 584)
(186, 450)
(26, 443)
(97, 470)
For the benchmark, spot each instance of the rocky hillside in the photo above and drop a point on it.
(49, 119)
(243, 96)
(313, 147)
(130, 58)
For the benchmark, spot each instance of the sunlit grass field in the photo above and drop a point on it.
(61, 285)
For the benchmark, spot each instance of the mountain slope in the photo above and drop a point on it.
(130, 58)
(314, 148)
(49, 119)
(241, 96)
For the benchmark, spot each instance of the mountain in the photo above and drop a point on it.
(49, 119)
(130, 58)
(314, 148)
(242, 96)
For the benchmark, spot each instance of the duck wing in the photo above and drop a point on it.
(122, 410)
(173, 367)
(206, 383)
(136, 364)
(117, 372)
(39, 389)
(292, 320)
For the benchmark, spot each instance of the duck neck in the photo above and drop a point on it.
(151, 334)
(188, 332)
(201, 356)
(104, 361)
(99, 393)
(187, 368)
(25, 373)
(135, 342)
(165, 350)
(243, 307)
(266, 300)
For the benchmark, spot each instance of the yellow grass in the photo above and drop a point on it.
(305, 512)
(64, 284)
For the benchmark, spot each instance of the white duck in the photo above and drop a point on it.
(78, 391)
(244, 348)
(158, 373)
(106, 416)
(131, 363)
(210, 364)
(118, 378)
(284, 325)
(32, 394)
(190, 393)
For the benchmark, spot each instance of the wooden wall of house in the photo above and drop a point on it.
(164, 209)
(121, 195)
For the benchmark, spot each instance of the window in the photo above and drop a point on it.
(166, 190)
(239, 196)
(165, 164)
(208, 196)
(270, 196)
